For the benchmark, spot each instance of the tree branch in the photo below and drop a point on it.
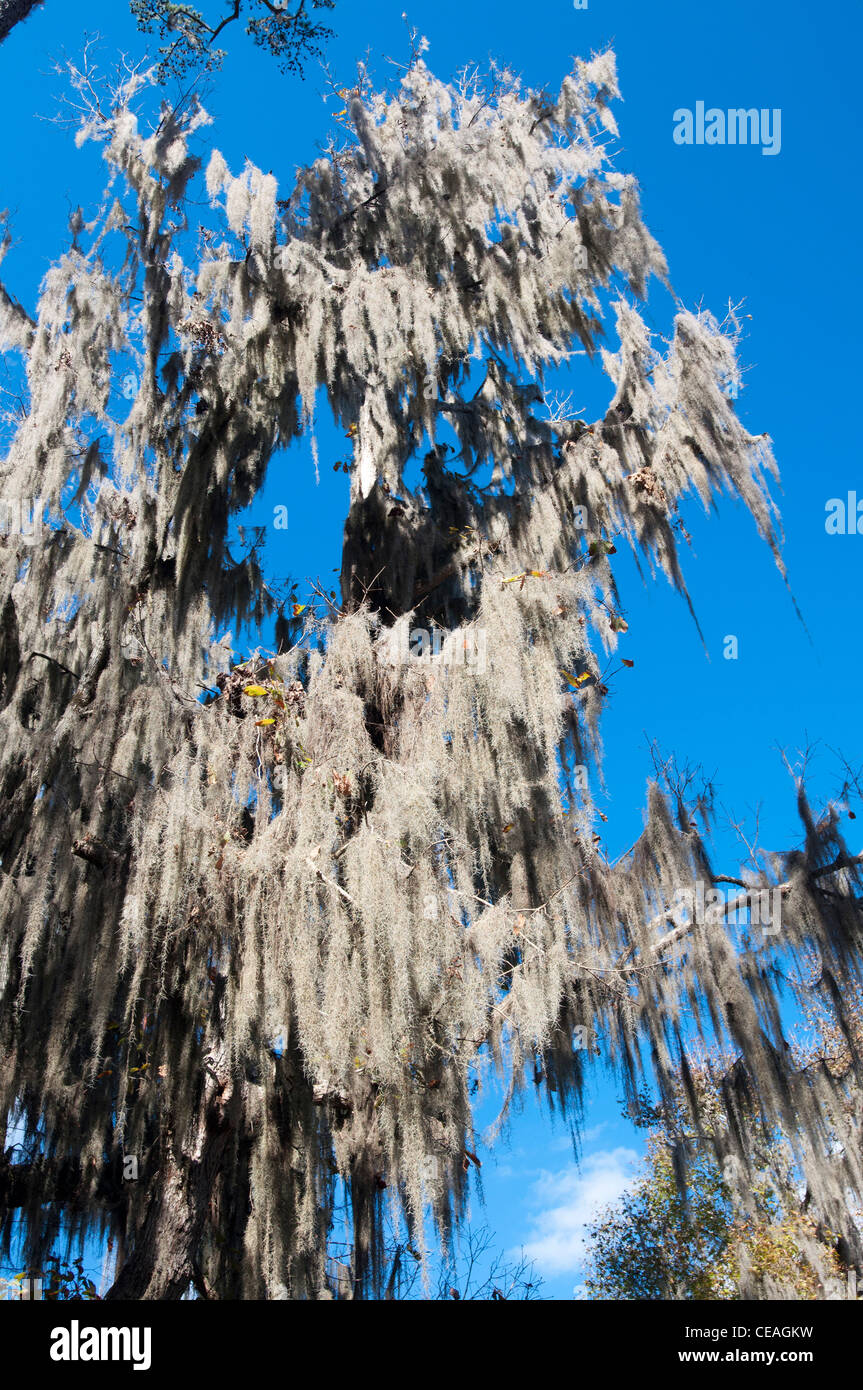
(229, 19)
(55, 1182)
(840, 862)
(55, 662)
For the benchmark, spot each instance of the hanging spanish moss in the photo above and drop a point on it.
(268, 942)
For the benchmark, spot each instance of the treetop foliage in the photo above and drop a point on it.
(290, 32)
(662, 1240)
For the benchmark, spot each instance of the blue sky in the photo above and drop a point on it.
(780, 232)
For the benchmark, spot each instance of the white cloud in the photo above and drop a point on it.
(593, 1132)
(568, 1200)
(562, 1143)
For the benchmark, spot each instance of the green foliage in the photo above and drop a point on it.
(656, 1243)
(695, 1241)
(291, 35)
(62, 1280)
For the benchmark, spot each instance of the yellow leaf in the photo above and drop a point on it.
(299, 608)
(513, 578)
(255, 690)
(575, 681)
(507, 828)
(259, 723)
(341, 113)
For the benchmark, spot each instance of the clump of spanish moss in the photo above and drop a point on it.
(267, 943)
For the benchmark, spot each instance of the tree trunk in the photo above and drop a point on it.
(165, 1258)
(164, 1261)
